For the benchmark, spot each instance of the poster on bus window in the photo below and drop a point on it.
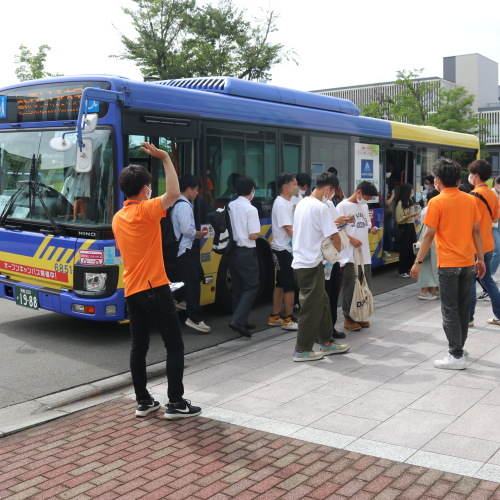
(366, 165)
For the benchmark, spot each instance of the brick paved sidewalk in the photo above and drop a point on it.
(106, 453)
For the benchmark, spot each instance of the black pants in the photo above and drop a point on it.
(406, 255)
(191, 274)
(155, 306)
(244, 269)
(332, 289)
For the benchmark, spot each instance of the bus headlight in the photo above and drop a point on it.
(94, 282)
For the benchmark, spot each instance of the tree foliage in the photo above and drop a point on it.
(177, 39)
(32, 67)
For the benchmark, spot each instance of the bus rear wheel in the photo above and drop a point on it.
(224, 294)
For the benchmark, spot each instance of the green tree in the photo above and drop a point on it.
(32, 67)
(177, 39)
(161, 27)
(414, 103)
(380, 107)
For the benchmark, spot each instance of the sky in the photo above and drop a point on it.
(339, 43)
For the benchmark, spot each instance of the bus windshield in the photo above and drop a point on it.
(70, 197)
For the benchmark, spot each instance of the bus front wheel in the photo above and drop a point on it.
(224, 294)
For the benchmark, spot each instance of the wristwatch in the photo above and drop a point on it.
(418, 261)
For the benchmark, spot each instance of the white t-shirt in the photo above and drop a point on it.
(294, 200)
(76, 186)
(313, 223)
(244, 221)
(282, 216)
(358, 229)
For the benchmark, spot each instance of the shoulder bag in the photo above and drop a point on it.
(482, 198)
(330, 253)
(362, 298)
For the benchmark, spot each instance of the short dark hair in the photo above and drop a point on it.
(188, 181)
(326, 179)
(244, 185)
(303, 179)
(481, 168)
(431, 194)
(430, 179)
(367, 188)
(497, 180)
(449, 172)
(133, 178)
(333, 170)
(464, 187)
(389, 168)
(284, 178)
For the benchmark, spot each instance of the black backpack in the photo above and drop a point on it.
(221, 224)
(169, 243)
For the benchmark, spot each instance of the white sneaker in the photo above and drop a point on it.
(201, 326)
(181, 305)
(465, 351)
(451, 363)
(427, 296)
(404, 275)
(307, 356)
(290, 323)
(494, 321)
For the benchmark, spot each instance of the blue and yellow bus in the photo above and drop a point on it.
(57, 250)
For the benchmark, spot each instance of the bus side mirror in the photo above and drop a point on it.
(84, 158)
(89, 123)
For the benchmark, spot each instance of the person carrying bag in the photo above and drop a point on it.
(330, 253)
(362, 298)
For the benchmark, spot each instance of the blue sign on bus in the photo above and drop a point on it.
(367, 169)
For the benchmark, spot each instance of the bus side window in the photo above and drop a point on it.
(332, 152)
(293, 152)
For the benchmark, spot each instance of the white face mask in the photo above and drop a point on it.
(302, 192)
(327, 197)
(471, 178)
(388, 174)
(149, 194)
(362, 201)
(252, 195)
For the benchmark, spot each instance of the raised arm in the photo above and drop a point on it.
(172, 192)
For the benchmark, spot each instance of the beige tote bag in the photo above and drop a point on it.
(362, 298)
(330, 253)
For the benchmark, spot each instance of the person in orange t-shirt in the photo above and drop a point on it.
(487, 203)
(137, 231)
(453, 218)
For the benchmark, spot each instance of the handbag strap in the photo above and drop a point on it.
(481, 197)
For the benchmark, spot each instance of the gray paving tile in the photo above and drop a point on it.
(412, 428)
(275, 371)
(469, 448)
(379, 404)
(418, 381)
(446, 463)
(252, 405)
(470, 378)
(345, 424)
(326, 438)
(306, 409)
(446, 399)
(219, 394)
(215, 374)
(352, 385)
(480, 422)
(489, 472)
(260, 358)
(382, 450)
(492, 397)
(389, 366)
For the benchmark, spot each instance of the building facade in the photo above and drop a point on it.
(478, 74)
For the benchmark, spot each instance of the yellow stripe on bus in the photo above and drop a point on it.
(57, 253)
(85, 246)
(42, 246)
(67, 256)
(47, 253)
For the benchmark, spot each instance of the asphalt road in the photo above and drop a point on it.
(43, 352)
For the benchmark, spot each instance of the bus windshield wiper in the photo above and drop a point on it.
(33, 193)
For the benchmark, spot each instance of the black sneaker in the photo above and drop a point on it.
(484, 296)
(338, 335)
(146, 407)
(182, 410)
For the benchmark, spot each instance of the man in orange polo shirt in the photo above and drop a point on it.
(487, 203)
(453, 218)
(147, 293)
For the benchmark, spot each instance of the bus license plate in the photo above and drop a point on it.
(26, 297)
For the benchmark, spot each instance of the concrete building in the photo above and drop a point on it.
(478, 74)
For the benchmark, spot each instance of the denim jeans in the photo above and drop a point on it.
(491, 288)
(495, 259)
(454, 289)
(155, 306)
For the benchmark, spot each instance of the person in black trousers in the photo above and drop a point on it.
(405, 217)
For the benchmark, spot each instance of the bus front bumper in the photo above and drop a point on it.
(66, 302)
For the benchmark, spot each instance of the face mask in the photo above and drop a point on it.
(471, 178)
(295, 191)
(362, 201)
(302, 192)
(427, 186)
(327, 197)
(437, 186)
(149, 194)
(388, 174)
(252, 195)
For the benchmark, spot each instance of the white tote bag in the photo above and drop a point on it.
(362, 298)
(330, 253)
